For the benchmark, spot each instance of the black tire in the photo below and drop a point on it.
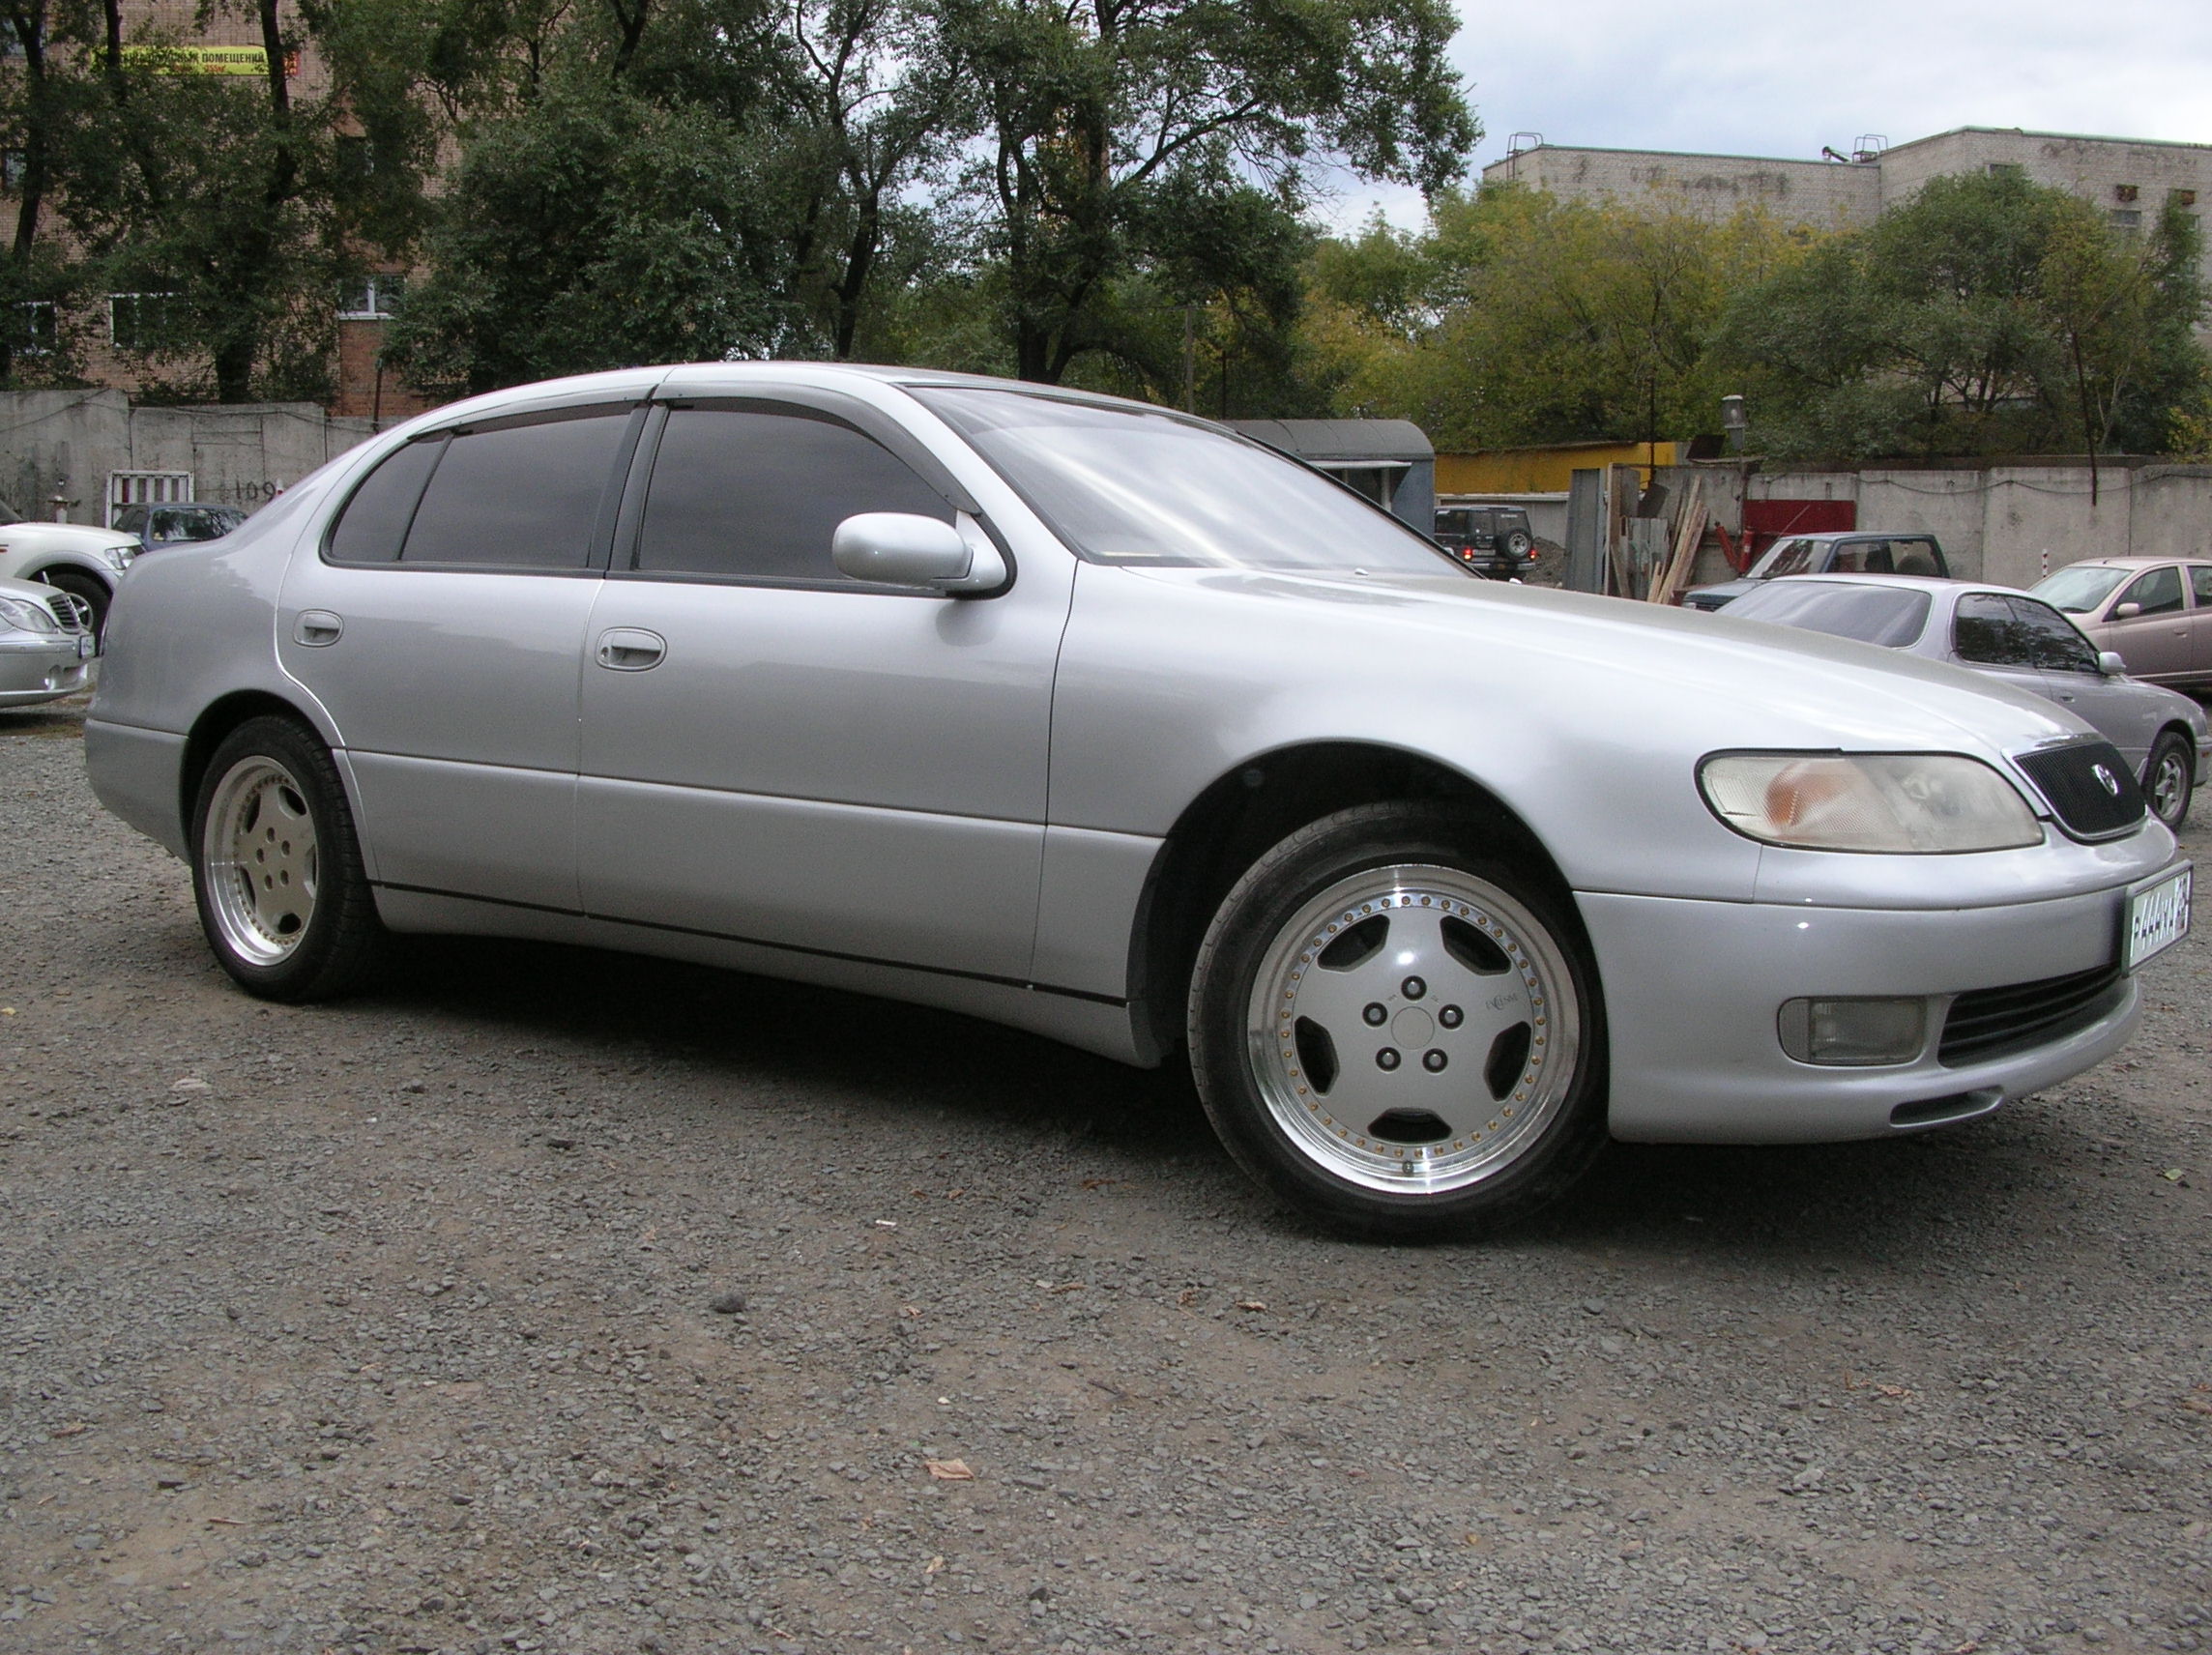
(338, 942)
(1263, 1081)
(79, 584)
(2170, 777)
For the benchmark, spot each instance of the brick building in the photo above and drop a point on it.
(225, 42)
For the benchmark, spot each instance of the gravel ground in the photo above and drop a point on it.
(548, 1300)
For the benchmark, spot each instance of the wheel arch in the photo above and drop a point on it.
(217, 720)
(2187, 736)
(74, 565)
(1254, 804)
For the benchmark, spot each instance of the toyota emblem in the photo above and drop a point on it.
(2112, 782)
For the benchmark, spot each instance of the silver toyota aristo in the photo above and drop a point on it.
(1105, 722)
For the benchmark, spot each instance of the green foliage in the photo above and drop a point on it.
(1518, 318)
(1985, 315)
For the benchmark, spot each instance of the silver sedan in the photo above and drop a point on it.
(1105, 722)
(2018, 639)
(46, 642)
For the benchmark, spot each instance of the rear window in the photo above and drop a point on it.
(1892, 617)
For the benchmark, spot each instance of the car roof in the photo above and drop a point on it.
(2131, 563)
(1933, 585)
(1858, 534)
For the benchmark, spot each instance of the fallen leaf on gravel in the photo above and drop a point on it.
(887, 1224)
(1069, 1286)
(191, 1083)
(1966, 1648)
(2171, 1175)
(1251, 1304)
(74, 1428)
(935, 1566)
(231, 1522)
(950, 1471)
(910, 1309)
(2196, 1405)
(1893, 1392)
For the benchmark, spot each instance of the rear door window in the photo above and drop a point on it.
(521, 496)
(1986, 631)
(756, 494)
(2200, 582)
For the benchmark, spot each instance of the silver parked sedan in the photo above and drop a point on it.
(46, 642)
(2018, 638)
(1105, 722)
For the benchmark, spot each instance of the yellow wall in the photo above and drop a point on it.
(1542, 471)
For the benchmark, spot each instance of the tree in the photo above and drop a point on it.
(1520, 318)
(1985, 315)
(1103, 120)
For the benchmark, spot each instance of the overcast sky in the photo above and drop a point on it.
(1782, 77)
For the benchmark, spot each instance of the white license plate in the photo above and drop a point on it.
(2158, 918)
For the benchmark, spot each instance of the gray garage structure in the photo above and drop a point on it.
(1390, 461)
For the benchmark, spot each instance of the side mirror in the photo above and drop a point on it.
(2126, 612)
(2109, 663)
(900, 548)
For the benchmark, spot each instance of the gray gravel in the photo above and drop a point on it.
(548, 1300)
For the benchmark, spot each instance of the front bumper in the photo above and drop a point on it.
(34, 668)
(1693, 989)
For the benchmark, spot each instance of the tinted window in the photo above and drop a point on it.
(2158, 592)
(2200, 582)
(1863, 557)
(757, 495)
(1886, 615)
(1915, 556)
(374, 521)
(518, 495)
(2050, 640)
(131, 519)
(1985, 631)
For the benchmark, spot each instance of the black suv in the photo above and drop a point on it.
(1491, 539)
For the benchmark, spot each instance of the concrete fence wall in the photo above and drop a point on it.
(2009, 524)
(68, 442)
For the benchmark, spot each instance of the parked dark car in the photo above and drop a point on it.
(1861, 553)
(169, 525)
(1494, 540)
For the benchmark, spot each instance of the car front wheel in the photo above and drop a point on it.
(2169, 779)
(1397, 1031)
(276, 867)
(78, 583)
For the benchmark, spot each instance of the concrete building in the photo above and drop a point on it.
(2130, 178)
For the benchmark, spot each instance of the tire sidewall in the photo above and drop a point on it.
(1252, 916)
(2167, 744)
(296, 976)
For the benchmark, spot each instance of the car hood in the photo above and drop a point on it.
(1714, 680)
(1727, 590)
(65, 536)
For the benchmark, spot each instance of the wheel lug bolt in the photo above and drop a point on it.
(1386, 1059)
(1451, 1017)
(1434, 1061)
(1413, 988)
(1375, 1014)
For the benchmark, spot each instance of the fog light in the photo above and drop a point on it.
(1853, 1033)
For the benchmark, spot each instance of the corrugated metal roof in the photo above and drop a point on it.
(1324, 440)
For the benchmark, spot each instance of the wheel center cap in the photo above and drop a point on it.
(1412, 1026)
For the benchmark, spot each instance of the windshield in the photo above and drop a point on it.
(2080, 589)
(1790, 557)
(1890, 616)
(1156, 490)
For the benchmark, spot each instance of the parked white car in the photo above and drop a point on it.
(46, 644)
(80, 559)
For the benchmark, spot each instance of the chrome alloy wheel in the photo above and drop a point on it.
(1414, 1029)
(2170, 779)
(261, 862)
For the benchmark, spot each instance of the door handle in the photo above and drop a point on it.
(318, 628)
(631, 648)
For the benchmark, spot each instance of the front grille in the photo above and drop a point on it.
(1997, 1022)
(72, 612)
(2089, 786)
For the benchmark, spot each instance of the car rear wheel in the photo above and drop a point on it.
(78, 583)
(1398, 1033)
(2170, 777)
(276, 867)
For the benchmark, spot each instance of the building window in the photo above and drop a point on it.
(2006, 169)
(2124, 193)
(141, 321)
(2126, 219)
(13, 166)
(32, 328)
(2182, 197)
(373, 299)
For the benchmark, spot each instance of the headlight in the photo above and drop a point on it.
(1924, 802)
(118, 558)
(25, 617)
